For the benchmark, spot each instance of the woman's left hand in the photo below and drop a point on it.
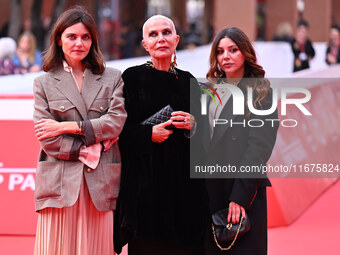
(35, 68)
(47, 128)
(234, 212)
(182, 120)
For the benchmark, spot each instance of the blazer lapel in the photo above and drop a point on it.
(227, 114)
(68, 87)
(206, 128)
(91, 87)
(219, 130)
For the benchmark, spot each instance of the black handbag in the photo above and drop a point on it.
(159, 117)
(225, 232)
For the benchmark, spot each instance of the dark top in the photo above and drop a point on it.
(7, 67)
(337, 57)
(241, 145)
(302, 54)
(158, 201)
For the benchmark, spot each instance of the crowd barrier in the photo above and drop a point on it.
(275, 57)
(18, 155)
(309, 152)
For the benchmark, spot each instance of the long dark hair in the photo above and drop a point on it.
(54, 55)
(251, 68)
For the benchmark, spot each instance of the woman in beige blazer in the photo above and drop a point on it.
(78, 114)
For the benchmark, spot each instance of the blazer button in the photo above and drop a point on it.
(89, 170)
(62, 108)
(234, 137)
(101, 108)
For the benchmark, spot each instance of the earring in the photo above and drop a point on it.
(175, 59)
(219, 71)
(174, 63)
(219, 68)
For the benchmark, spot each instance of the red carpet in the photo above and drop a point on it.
(16, 245)
(22, 245)
(315, 232)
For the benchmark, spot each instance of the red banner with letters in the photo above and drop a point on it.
(18, 155)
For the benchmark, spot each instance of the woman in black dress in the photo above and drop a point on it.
(302, 47)
(160, 209)
(233, 61)
(333, 49)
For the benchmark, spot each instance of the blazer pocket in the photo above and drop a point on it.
(112, 175)
(99, 107)
(48, 179)
(62, 109)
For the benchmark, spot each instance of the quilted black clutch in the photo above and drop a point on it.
(224, 231)
(159, 117)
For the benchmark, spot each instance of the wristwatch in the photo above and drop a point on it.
(80, 130)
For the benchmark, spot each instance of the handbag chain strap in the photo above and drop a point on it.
(233, 242)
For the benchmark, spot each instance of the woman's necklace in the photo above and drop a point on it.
(235, 83)
(171, 68)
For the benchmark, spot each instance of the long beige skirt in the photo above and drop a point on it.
(77, 230)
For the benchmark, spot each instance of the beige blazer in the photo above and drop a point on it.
(58, 179)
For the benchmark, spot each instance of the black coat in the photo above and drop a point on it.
(337, 57)
(301, 64)
(158, 201)
(241, 146)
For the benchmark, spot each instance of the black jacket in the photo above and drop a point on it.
(300, 64)
(337, 57)
(241, 145)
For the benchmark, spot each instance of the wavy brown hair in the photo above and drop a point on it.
(251, 68)
(54, 55)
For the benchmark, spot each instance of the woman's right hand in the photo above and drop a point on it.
(47, 128)
(234, 212)
(331, 59)
(160, 133)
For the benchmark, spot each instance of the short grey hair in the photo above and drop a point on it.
(7, 47)
(157, 17)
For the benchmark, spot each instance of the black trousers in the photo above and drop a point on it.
(143, 247)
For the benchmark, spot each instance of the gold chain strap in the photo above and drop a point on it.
(233, 242)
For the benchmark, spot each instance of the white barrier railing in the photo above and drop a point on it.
(275, 57)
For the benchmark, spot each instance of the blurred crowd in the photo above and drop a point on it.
(127, 43)
(302, 46)
(19, 57)
(25, 55)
